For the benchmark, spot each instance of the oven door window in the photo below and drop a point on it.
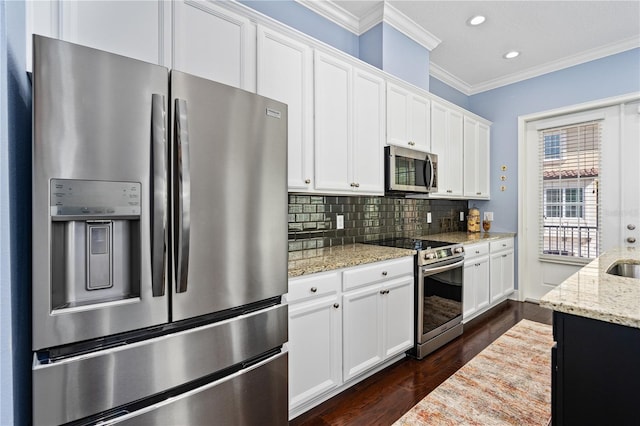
(442, 298)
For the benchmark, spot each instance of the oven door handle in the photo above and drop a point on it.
(431, 271)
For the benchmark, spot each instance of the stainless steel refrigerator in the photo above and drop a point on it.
(159, 245)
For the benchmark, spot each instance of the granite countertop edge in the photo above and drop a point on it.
(326, 259)
(338, 257)
(592, 293)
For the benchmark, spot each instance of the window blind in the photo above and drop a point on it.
(569, 201)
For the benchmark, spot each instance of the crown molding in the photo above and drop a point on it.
(590, 55)
(382, 12)
(570, 61)
(446, 77)
(333, 13)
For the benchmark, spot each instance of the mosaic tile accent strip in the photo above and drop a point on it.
(312, 219)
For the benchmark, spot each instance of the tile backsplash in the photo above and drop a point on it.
(312, 219)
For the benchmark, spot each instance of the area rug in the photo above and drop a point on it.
(508, 383)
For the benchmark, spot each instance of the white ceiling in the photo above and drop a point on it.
(550, 34)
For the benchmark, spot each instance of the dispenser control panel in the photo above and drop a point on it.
(72, 198)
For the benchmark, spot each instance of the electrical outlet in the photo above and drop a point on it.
(339, 221)
(488, 216)
(461, 216)
(428, 217)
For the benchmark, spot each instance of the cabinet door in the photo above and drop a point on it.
(285, 73)
(398, 315)
(315, 349)
(446, 142)
(214, 43)
(397, 116)
(476, 159)
(507, 273)
(368, 132)
(502, 275)
(137, 29)
(481, 281)
(469, 289)
(362, 330)
(332, 123)
(420, 130)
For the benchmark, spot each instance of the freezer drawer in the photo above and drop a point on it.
(256, 396)
(86, 385)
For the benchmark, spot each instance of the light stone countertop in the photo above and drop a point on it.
(469, 237)
(326, 259)
(593, 293)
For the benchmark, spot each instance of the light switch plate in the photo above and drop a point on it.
(461, 216)
(428, 217)
(339, 221)
(488, 216)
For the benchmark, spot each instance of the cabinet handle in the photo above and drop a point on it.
(307, 181)
(504, 245)
(336, 305)
(477, 251)
(478, 193)
(384, 273)
(357, 185)
(352, 184)
(384, 291)
(504, 255)
(477, 264)
(449, 191)
(314, 289)
(411, 143)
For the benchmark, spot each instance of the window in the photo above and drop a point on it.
(552, 147)
(569, 190)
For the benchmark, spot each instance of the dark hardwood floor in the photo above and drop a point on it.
(384, 397)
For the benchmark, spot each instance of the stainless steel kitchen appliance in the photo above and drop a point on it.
(410, 171)
(159, 245)
(438, 294)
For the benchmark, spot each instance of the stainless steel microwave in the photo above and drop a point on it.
(410, 171)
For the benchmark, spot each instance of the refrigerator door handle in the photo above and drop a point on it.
(159, 218)
(184, 194)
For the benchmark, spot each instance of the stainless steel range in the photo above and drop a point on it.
(438, 296)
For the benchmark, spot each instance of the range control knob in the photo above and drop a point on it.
(429, 256)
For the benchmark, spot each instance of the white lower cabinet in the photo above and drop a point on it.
(377, 324)
(502, 269)
(315, 337)
(488, 276)
(475, 293)
(344, 326)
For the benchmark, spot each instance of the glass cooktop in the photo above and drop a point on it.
(409, 243)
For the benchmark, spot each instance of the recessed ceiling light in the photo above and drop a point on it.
(511, 55)
(476, 20)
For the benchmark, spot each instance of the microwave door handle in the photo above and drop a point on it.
(159, 194)
(184, 194)
(428, 176)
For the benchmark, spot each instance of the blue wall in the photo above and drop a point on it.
(447, 92)
(405, 58)
(603, 78)
(15, 218)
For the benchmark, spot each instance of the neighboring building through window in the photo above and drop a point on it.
(570, 203)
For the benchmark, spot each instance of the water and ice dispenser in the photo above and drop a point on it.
(95, 242)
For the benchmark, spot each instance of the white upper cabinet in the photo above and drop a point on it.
(408, 119)
(447, 143)
(476, 159)
(285, 73)
(348, 127)
(138, 29)
(368, 132)
(214, 43)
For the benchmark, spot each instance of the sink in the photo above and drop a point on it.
(625, 269)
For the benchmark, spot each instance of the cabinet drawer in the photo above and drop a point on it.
(475, 250)
(504, 244)
(313, 286)
(374, 272)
